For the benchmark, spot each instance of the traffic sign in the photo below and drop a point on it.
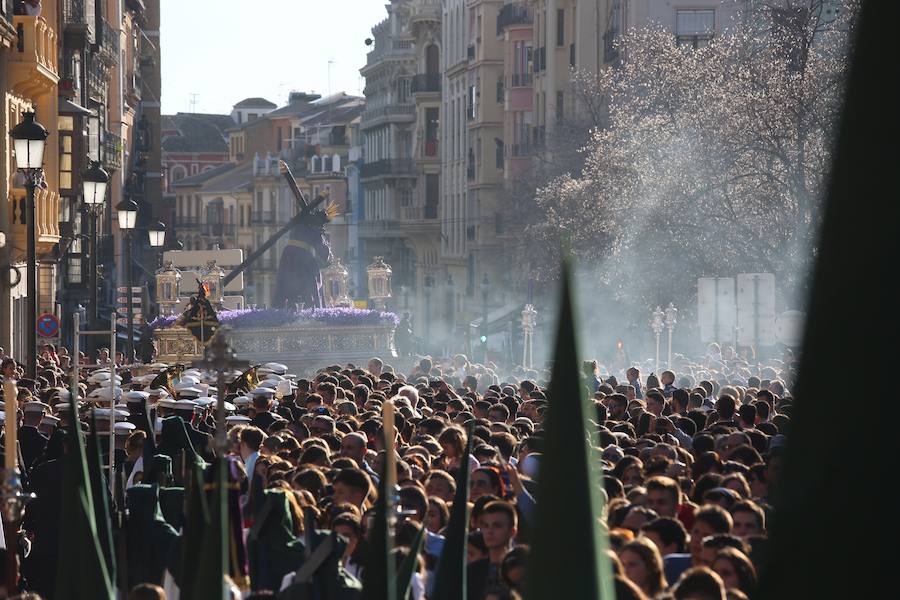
(47, 325)
(134, 290)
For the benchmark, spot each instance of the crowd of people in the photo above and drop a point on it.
(690, 459)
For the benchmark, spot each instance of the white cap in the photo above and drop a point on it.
(33, 407)
(137, 396)
(277, 368)
(104, 393)
(188, 380)
(237, 419)
(124, 428)
(242, 400)
(263, 391)
(185, 405)
(50, 420)
(166, 403)
(268, 383)
(103, 413)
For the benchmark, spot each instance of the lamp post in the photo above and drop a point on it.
(451, 312)
(429, 286)
(485, 289)
(656, 324)
(671, 319)
(29, 140)
(127, 214)
(94, 182)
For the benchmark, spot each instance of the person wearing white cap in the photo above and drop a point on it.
(31, 440)
(48, 425)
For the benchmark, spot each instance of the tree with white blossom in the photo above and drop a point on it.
(711, 161)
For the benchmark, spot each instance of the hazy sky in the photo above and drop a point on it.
(227, 50)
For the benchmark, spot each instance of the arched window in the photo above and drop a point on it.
(178, 173)
(432, 60)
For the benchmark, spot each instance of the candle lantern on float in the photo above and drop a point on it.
(335, 282)
(212, 275)
(379, 273)
(168, 283)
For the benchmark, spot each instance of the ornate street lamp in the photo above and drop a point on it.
(29, 141)
(429, 286)
(157, 235)
(529, 321)
(656, 324)
(94, 182)
(168, 283)
(126, 211)
(379, 273)
(671, 319)
(485, 290)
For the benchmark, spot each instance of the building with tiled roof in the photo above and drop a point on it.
(192, 143)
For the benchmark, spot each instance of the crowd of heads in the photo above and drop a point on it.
(690, 458)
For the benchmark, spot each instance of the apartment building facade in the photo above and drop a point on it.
(90, 70)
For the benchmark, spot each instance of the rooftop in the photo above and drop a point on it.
(255, 103)
(195, 132)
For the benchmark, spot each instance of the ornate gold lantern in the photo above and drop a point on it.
(213, 275)
(379, 273)
(168, 281)
(335, 283)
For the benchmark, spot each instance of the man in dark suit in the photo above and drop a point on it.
(262, 399)
(31, 440)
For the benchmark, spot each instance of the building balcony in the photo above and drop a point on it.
(402, 112)
(426, 83)
(518, 80)
(112, 151)
(395, 49)
(109, 42)
(263, 217)
(429, 212)
(78, 19)
(218, 229)
(34, 62)
(46, 221)
(389, 167)
(187, 222)
(98, 80)
(521, 150)
(513, 14)
(425, 10)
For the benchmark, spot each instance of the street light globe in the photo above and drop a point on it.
(157, 234)
(127, 213)
(29, 140)
(94, 183)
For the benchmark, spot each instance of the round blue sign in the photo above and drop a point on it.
(48, 325)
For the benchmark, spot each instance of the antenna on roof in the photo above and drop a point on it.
(194, 102)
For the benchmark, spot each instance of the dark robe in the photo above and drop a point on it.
(273, 549)
(148, 537)
(299, 270)
(263, 420)
(42, 518)
(33, 443)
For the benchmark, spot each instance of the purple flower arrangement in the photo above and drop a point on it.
(251, 318)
